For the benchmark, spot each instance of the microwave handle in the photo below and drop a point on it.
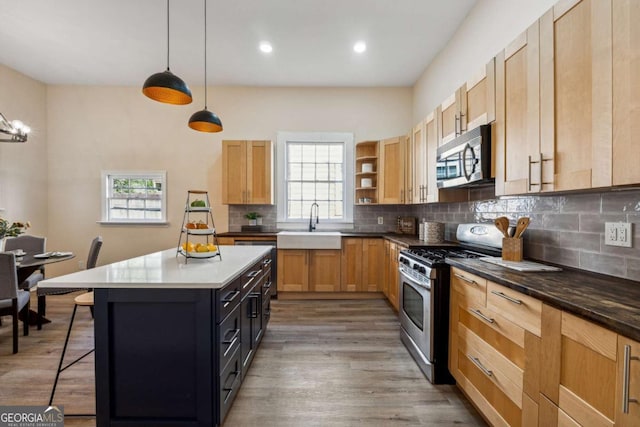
(467, 175)
(454, 150)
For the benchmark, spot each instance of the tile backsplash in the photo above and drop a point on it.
(566, 229)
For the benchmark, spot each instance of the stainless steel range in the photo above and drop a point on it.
(424, 295)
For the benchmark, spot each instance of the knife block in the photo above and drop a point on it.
(511, 249)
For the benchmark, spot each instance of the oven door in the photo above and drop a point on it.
(416, 309)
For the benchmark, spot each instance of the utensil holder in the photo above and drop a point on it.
(511, 249)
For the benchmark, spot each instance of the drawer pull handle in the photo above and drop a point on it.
(229, 299)
(461, 277)
(480, 366)
(626, 379)
(507, 297)
(267, 285)
(229, 389)
(482, 316)
(253, 273)
(233, 338)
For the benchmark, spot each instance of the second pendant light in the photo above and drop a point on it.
(205, 120)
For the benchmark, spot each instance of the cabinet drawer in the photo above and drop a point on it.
(229, 333)
(521, 309)
(227, 299)
(472, 288)
(501, 325)
(250, 278)
(495, 366)
(229, 381)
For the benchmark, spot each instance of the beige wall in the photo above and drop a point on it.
(104, 128)
(488, 28)
(23, 167)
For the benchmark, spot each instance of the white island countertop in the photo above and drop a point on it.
(163, 270)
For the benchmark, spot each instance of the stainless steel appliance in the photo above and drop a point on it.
(424, 296)
(274, 259)
(465, 160)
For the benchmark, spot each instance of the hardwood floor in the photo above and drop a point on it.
(321, 363)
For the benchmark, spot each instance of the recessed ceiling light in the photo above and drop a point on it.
(266, 47)
(360, 47)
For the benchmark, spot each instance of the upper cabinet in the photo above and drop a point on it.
(626, 91)
(419, 164)
(367, 172)
(567, 93)
(391, 176)
(247, 172)
(472, 105)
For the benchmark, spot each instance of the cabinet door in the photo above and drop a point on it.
(324, 270)
(579, 38)
(626, 91)
(419, 193)
(518, 113)
(628, 405)
(448, 119)
(259, 173)
(234, 166)
(372, 253)
(352, 265)
(394, 289)
(477, 99)
(391, 175)
(385, 269)
(293, 270)
(581, 378)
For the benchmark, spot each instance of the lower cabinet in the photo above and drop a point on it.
(524, 363)
(309, 270)
(361, 267)
(392, 282)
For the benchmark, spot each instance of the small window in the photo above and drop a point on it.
(134, 197)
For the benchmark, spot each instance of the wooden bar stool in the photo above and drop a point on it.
(82, 300)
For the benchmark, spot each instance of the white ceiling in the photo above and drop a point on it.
(122, 42)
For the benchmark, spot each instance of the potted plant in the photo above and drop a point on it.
(252, 217)
(11, 230)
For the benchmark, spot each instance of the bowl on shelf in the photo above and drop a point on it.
(367, 167)
(366, 182)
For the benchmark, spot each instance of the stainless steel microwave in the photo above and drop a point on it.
(466, 160)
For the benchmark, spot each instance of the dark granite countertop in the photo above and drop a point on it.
(609, 301)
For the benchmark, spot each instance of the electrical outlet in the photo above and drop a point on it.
(380, 220)
(82, 265)
(618, 234)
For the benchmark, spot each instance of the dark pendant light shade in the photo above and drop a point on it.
(165, 86)
(168, 88)
(204, 120)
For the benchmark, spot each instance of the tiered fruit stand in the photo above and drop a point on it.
(200, 233)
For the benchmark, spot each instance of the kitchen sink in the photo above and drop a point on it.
(309, 240)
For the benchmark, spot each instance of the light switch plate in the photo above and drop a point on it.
(618, 234)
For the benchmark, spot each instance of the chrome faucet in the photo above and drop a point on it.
(312, 226)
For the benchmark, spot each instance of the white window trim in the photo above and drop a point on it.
(104, 184)
(349, 192)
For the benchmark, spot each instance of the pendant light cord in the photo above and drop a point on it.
(205, 54)
(167, 34)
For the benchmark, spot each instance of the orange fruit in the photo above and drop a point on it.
(212, 247)
(202, 248)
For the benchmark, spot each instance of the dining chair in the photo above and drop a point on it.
(31, 245)
(12, 299)
(82, 300)
(92, 259)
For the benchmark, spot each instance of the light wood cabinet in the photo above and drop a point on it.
(409, 168)
(391, 177)
(361, 265)
(293, 270)
(386, 267)
(628, 404)
(472, 105)
(393, 293)
(493, 352)
(626, 91)
(367, 157)
(247, 175)
(419, 164)
(309, 270)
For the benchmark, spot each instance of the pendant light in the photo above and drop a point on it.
(165, 86)
(204, 120)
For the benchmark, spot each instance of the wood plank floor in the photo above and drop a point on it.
(321, 363)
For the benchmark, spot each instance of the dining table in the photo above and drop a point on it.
(30, 262)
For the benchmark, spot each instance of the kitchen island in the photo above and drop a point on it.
(174, 339)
